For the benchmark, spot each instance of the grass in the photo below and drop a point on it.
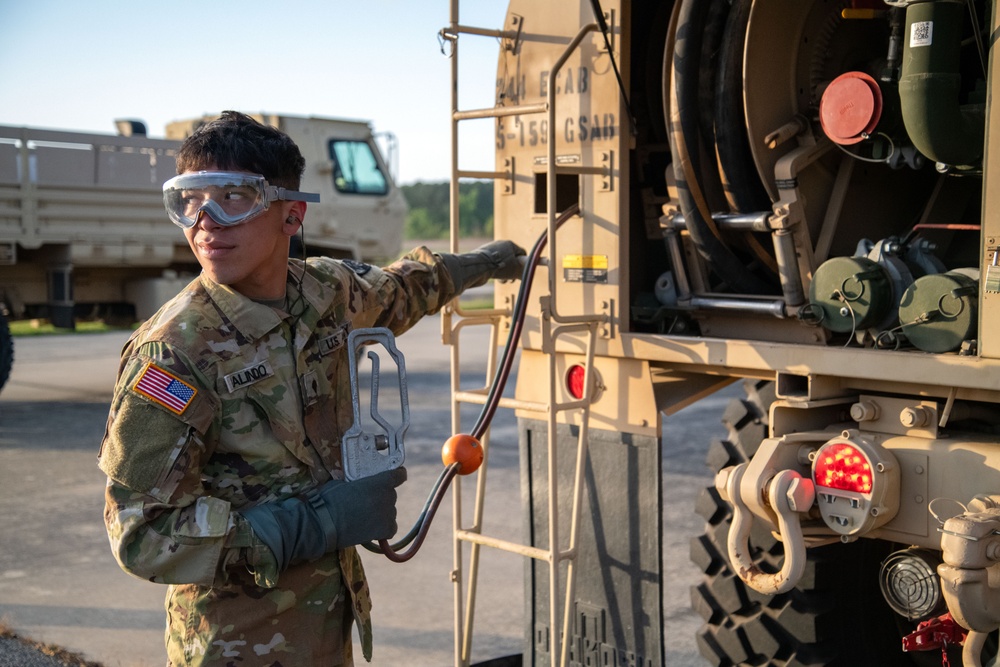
(44, 328)
(477, 303)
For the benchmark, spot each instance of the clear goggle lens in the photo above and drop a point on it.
(229, 197)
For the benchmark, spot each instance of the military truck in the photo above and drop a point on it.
(799, 195)
(83, 233)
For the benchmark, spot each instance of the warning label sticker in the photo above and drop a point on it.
(585, 268)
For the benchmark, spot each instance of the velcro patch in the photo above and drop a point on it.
(248, 375)
(165, 389)
(334, 342)
(359, 268)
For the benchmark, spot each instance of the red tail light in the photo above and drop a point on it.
(857, 483)
(574, 381)
(840, 465)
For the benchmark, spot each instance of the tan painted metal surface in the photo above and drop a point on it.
(563, 138)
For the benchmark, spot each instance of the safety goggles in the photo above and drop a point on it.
(230, 197)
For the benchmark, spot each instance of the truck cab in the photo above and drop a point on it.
(83, 233)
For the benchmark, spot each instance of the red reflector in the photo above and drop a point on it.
(574, 380)
(843, 466)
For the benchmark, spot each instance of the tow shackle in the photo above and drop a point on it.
(789, 493)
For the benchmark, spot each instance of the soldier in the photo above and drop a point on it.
(222, 447)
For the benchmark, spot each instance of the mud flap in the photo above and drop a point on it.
(618, 606)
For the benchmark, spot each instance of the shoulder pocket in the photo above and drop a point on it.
(153, 418)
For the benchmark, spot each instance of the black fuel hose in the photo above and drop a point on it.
(415, 537)
(684, 146)
(743, 186)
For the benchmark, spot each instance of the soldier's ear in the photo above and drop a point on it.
(296, 213)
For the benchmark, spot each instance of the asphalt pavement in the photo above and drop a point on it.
(59, 583)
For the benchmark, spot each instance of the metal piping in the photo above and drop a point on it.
(550, 174)
(930, 86)
(788, 267)
(775, 307)
(677, 259)
(750, 222)
(784, 250)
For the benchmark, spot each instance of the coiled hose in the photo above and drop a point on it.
(682, 68)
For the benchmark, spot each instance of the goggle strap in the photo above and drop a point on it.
(277, 193)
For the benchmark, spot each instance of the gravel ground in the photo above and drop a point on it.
(17, 651)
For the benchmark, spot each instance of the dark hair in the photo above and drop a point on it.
(237, 142)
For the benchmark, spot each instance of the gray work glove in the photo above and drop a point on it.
(497, 259)
(337, 515)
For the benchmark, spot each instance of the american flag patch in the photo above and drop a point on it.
(165, 389)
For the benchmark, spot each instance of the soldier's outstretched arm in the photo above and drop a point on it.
(421, 282)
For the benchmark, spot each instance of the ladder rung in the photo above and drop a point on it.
(483, 174)
(497, 112)
(478, 397)
(504, 545)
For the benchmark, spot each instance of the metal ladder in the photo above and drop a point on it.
(554, 325)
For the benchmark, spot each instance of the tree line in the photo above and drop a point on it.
(429, 210)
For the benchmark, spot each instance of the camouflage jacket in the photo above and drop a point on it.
(223, 403)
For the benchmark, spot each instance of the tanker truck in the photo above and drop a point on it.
(801, 196)
(83, 233)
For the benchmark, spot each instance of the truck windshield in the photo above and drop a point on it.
(355, 169)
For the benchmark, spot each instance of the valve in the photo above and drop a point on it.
(367, 452)
(789, 494)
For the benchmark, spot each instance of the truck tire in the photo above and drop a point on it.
(836, 616)
(6, 348)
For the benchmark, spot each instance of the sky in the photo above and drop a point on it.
(71, 65)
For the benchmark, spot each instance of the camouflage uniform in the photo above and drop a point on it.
(217, 409)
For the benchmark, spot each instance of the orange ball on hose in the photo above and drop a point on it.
(465, 451)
